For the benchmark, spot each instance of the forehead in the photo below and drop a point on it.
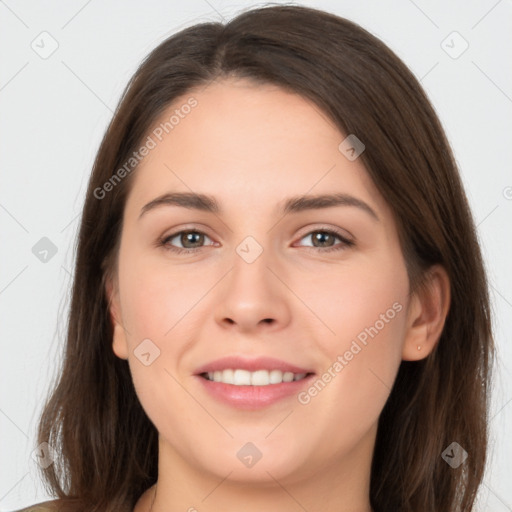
(249, 145)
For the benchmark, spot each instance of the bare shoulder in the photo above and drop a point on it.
(46, 506)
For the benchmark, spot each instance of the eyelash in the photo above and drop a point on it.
(345, 242)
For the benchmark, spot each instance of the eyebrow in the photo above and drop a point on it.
(207, 203)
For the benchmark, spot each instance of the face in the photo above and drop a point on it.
(319, 291)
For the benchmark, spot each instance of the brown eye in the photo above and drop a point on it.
(194, 238)
(324, 239)
(191, 240)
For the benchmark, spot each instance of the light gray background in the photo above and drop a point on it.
(54, 112)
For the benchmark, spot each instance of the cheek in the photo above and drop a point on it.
(161, 302)
(158, 306)
(365, 307)
(159, 297)
(362, 302)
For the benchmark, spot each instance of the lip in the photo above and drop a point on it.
(252, 397)
(252, 365)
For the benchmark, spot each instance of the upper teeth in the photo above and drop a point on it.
(257, 378)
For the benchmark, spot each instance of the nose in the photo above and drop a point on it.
(253, 297)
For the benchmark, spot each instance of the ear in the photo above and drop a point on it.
(119, 341)
(427, 314)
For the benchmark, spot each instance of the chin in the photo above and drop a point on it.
(254, 459)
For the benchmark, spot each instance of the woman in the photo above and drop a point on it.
(279, 300)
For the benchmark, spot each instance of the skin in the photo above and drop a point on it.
(251, 146)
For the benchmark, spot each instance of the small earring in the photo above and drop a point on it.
(419, 347)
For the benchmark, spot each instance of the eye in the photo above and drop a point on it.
(192, 240)
(324, 237)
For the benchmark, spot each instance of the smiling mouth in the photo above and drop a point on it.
(239, 377)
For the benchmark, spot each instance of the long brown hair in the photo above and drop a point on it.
(106, 447)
